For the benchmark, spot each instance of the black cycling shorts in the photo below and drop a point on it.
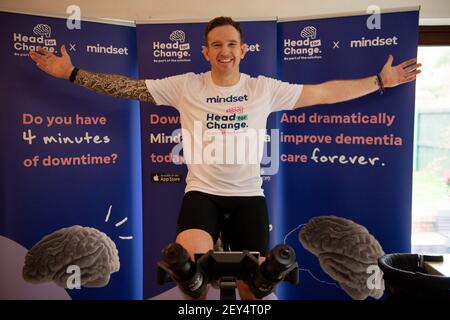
(241, 222)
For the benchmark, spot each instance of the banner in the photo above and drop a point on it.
(70, 167)
(166, 49)
(96, 180)
(353, 159)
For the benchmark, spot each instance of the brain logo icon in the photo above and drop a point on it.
(42, 30)
(178, 35)
(309, 32)
(88, 248)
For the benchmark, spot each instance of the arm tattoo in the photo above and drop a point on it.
(114, 85)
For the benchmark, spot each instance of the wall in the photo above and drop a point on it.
(204, 9)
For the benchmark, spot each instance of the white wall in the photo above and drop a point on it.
(205, 9)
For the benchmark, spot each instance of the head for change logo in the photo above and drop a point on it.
(307, 47)
(177, 50)
(40, 37)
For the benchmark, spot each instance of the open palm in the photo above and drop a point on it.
(402, 73)
(59, 67)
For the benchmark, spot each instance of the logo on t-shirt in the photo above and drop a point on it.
(228, 121)
(229, 99)
(237, 109)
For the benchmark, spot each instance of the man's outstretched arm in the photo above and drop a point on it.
(114, 85)
(343, 90)
(110, 84)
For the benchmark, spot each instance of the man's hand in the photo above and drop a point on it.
(402, 73)
(60, 67)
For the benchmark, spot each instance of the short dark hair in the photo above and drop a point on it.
(222, 21)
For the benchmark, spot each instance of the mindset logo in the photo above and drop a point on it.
(40, 37)
(308, 47)
(178, 50)
(106, 49)
(375, 42)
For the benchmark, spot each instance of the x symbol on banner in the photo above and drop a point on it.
(72, 47)
(335, 44)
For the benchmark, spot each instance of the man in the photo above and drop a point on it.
(215, 189)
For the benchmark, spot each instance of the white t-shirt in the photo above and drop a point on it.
(223, 128)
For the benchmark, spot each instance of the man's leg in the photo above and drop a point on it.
(197, 224)
(195, 241)
(250, 231)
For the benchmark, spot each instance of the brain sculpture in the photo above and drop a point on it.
(345, 250)
(91, 250)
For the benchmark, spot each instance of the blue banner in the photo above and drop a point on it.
(352, 159)
(72, 160)
(166, 49)
(69, 157)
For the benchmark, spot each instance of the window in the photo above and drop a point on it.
(431, 177)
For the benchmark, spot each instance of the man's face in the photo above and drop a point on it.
(224, 49)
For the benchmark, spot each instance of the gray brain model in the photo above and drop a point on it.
(91, 250)
(345, 250)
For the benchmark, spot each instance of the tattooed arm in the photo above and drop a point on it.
(114, 85)
(111, 84)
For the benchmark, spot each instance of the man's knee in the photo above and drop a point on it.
(195, 241)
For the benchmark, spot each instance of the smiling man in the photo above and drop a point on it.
(224, 104)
